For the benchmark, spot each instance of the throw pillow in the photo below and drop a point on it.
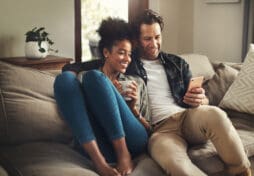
(240, 94)
(28, 111)
(199, 65)
(218, 85)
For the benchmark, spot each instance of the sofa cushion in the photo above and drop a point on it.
(206, 157)
(218, 85)
(146, 166)
(46, 159)
(240, 94)
(196, 62)
(28, 111)
(52, 159)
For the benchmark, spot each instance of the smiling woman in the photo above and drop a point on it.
(88, 15)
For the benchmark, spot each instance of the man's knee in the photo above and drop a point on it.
(217, 115)
(216, 118)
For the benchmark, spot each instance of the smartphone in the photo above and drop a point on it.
(195, 82)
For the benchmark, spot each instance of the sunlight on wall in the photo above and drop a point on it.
(92, 12)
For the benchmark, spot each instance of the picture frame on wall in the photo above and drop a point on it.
(221, 1)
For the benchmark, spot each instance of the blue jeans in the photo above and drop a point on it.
(95, 110)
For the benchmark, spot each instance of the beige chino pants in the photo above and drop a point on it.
(169, 141)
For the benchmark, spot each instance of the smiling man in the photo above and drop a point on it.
(180, 117)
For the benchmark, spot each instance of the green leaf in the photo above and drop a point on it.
(40, 29)
(39, 35)
(34, 29)
(44, 34)
(42, 50)
(50, 41)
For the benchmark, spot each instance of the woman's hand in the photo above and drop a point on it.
(131, 93)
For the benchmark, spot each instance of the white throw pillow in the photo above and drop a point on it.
(240, 95)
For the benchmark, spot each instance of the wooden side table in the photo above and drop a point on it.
(49, 63)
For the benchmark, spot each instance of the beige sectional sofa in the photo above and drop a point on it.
(35, 141)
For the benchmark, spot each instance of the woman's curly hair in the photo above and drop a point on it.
(113, 30)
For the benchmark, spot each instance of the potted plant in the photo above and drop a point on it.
(38, 43)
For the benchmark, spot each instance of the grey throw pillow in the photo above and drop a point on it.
(217, 86)
(28, 111)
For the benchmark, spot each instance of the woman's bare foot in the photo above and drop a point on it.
(124, 162)
(125, 165)
(101, 165)
(106, 170)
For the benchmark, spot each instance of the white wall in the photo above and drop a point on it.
(178, 29)
(214, 30)
(218, 30)
(19, 16)
(190, 26)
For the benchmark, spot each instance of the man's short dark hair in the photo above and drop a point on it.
(147, 17)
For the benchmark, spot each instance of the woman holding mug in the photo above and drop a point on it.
(106, 126)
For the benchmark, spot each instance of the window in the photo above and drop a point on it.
(92, 13)
(88, 10)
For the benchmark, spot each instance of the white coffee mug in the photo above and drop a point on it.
(125, 87)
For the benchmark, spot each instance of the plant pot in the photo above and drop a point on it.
(32, 50)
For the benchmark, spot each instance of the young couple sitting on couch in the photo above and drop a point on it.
(110, 129)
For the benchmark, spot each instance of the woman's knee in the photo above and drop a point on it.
(94, 80)
(92, 75)
(65, 82)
